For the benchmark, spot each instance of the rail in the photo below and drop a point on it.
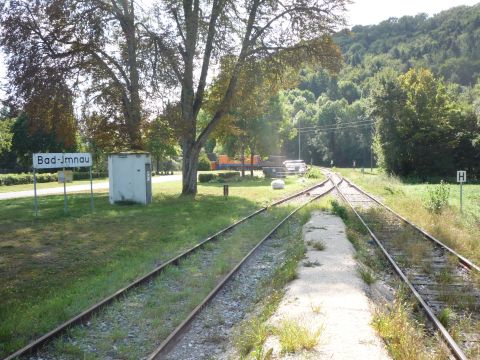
(454, 347)
(88, 313)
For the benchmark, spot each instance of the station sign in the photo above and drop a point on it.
(61, 160)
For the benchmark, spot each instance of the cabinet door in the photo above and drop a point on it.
(148, 183)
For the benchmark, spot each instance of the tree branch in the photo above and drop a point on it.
(217, 7)
(170, 54)
(233, 80)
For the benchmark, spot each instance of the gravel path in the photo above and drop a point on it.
(331, 297)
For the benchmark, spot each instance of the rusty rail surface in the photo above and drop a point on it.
(181, 329)
(454, 347)
(87, 314)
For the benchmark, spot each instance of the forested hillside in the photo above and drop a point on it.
(448, 43)
(412, 83)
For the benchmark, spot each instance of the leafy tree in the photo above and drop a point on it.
(56, 44)
(248, 126)
(102, 135)
(28, 139)
(349, 91)
(342, 134)
(280, 34)
(160, 140)
(6, 135)
(419, 126)
(447, 43)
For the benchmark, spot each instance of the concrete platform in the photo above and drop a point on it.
(330, 296)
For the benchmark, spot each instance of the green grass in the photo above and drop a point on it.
(405, 337)
(295, 337)
(253, 331)
(399, 323)
(366, 274)
(319, 245)
(172, 295)
(308, 263)
(55, 266)
(460, 231)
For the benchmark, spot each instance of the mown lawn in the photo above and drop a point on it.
(460, 231)
(54, 266)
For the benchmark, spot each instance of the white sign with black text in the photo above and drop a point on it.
(61, 160)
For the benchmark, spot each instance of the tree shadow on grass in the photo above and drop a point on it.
(54, 266)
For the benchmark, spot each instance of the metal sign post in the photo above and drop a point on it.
(61, 160)
(35, 191)
(91, 190)
(65, 204)
(461, 178)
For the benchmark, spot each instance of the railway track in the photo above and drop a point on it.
(167, 345)
(308, 195)
(441, 280)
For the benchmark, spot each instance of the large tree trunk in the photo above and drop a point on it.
(191, 101)
(189, 168)
(134, 88)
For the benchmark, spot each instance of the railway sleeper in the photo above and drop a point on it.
(432, 282)
(444, 292)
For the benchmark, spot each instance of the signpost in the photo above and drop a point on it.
(461, 178)
(65, 176)
(61, 160)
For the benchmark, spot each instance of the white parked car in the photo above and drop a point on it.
(295, 166)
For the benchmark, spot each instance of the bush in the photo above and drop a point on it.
(221, 177)
(339, 210)
(313, 173)
(203, 178)
(19, 179)
(229, 174)
(437, 198)
(86, 175)
(204, 163)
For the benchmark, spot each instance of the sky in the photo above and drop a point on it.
(369, 12)
(360, 12)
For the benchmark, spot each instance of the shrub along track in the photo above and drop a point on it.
(442, 281)
(85, 316)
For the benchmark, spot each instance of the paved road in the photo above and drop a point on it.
(77, 188)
